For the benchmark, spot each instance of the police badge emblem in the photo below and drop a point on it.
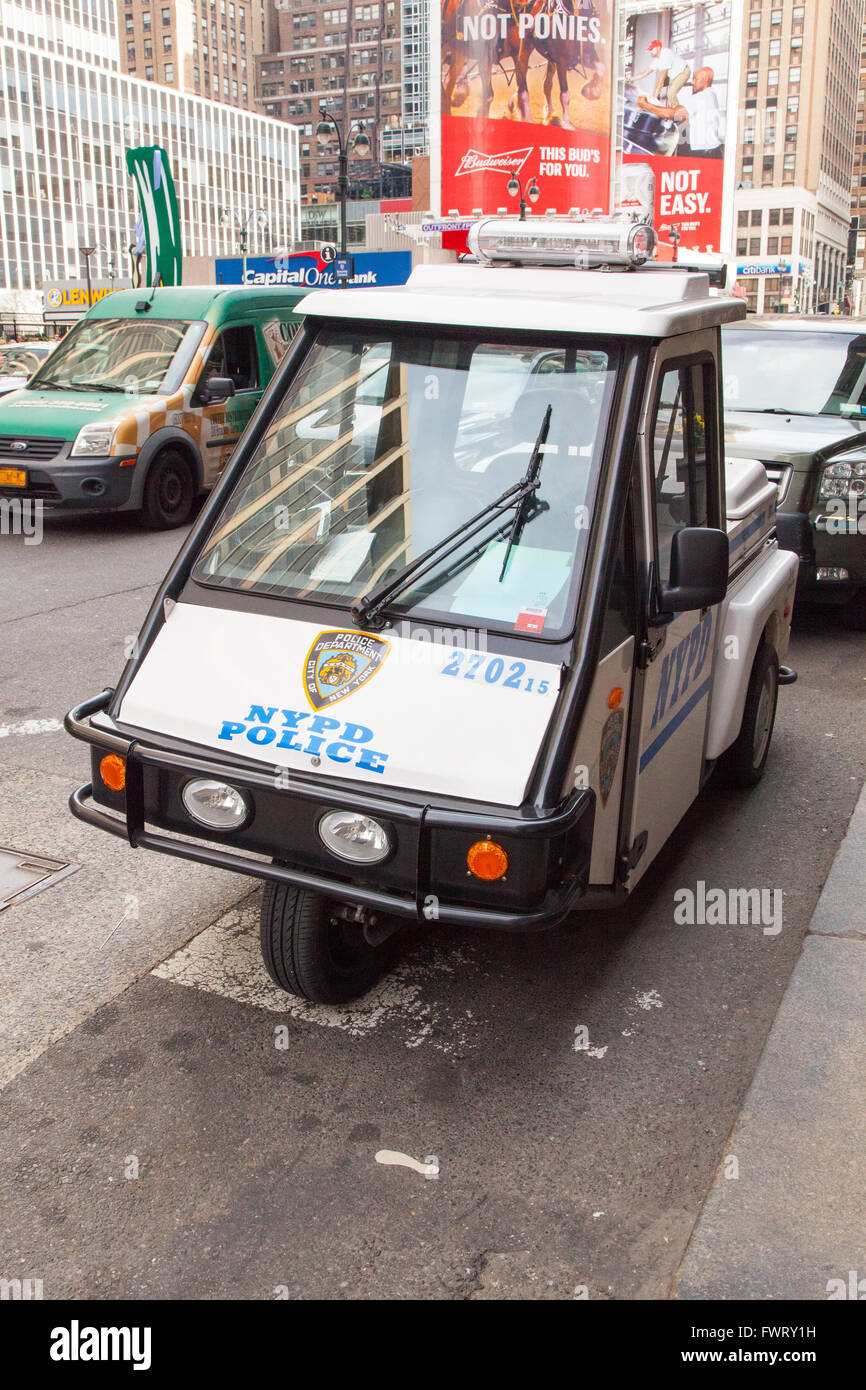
(339, 663)
(611, 741)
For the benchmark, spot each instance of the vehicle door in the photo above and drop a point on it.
(234, 353)
(680, 486)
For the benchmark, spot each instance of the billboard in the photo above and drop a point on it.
(524, 90)
(680, 96)
(308, 270)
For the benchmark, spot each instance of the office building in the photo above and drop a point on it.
(67, 116)
(798, 108)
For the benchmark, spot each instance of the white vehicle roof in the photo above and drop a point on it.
(652, 302)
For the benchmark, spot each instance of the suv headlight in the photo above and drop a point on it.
(93, 441)
(841, 478)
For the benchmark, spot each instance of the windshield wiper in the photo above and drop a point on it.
(93, 386)
(366, 612)
(529, 485)
(778, 410)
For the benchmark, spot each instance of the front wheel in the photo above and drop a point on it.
(745, 760)
(311, 950)
(169, 492)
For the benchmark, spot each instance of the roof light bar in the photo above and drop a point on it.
(563, 241)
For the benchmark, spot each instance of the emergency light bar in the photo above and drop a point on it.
(562, 241)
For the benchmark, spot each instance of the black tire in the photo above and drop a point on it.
(311, 952)
(169, 492)
(854, 612)
(745, 760)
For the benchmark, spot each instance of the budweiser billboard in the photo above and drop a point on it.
(680, 94)
(524, 90)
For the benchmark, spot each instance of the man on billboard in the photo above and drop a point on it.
(671, 70)
(700, 110)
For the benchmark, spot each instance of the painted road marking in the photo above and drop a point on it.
(225, 959)
(31, 726)
(428, 1169)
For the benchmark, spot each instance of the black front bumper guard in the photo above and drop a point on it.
(557, 904)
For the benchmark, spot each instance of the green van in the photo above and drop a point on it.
(140, 406)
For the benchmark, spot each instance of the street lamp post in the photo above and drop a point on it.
(515, 189)
(243, 222)
(87, 252)
(360, 145)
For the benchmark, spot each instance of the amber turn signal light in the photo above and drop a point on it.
(112, 770)
(487, 860)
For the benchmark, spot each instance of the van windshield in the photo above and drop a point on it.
(796, 371)
(130, 355)
(384, 445)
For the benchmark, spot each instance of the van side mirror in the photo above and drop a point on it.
(699, 570)
(215, 391)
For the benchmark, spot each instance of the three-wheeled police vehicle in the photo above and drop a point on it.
(471, 615)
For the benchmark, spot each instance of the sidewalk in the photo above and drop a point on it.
(789, 1215)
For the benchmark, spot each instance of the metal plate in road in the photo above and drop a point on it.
(22, 875)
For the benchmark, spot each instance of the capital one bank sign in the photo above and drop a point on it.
(308, 271)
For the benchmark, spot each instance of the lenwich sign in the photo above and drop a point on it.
(65, 299)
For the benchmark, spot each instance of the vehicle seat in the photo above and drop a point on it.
(567, 456)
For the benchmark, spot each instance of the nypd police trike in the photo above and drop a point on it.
(471, 616)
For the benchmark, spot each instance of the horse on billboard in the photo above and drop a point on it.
(462, 53)
(478, 35)
(550, 35)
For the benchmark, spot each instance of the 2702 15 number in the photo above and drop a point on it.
(471, 665)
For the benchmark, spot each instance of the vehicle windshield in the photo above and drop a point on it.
(801, 371)
(130, 355)
(385, 445)
(21, 361)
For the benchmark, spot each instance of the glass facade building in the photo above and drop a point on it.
(68, 114)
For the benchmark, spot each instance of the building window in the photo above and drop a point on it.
(754, 246)
(772, 246)
(756, 217)
(166, 43)
(742, 219)
(169, 72)
(786, 245)
(166, 16)
(145, 20)
(788, 217)
(793, 76)
(148, 72)
(775, 214)
(742, 246)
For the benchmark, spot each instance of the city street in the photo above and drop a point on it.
(176, 1127)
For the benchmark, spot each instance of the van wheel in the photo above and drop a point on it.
(311, 951)
(745, 760)
(169, 492)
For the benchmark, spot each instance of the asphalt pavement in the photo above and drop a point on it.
(175, 1127)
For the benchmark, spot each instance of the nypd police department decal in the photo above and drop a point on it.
(268, 688)
(339, 663)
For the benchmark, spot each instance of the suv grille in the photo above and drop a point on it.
(38, 450)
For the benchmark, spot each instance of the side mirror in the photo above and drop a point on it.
(217, 390)
(699, 570)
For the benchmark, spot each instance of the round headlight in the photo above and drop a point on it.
(839, 470)
(349, 835)
(215, 804)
